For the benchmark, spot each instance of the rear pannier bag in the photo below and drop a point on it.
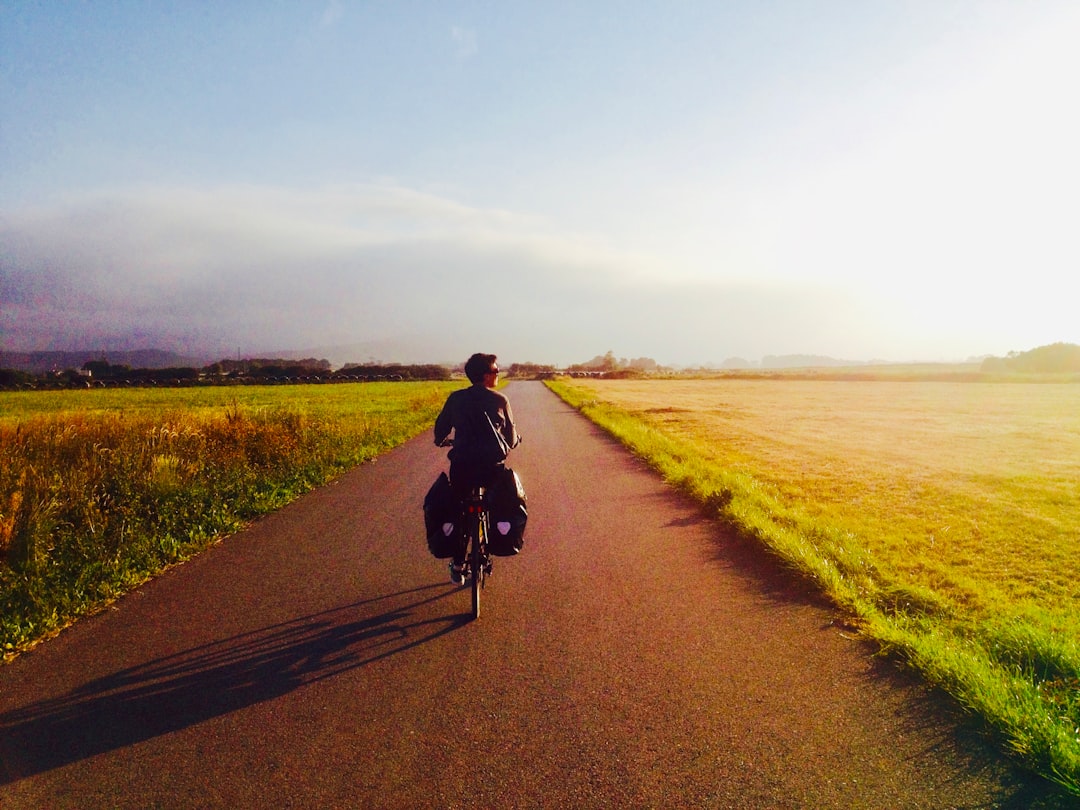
(442, 520)
(508, 514)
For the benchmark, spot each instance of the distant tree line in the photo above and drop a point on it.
(398, 371)
(104, 370)
(610, 366)
(269, 367)
(606, 365)
(534, 371)
(13, 378)
(101, 373)
(1057, 358)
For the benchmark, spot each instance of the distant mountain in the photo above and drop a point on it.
(394, 351)
(44, 362)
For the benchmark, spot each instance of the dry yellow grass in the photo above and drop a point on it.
(973, 486)
(101, 489)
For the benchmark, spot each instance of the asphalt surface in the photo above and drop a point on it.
(633, 655)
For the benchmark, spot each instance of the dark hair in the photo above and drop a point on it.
(477, 366)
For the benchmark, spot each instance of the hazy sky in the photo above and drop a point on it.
(415, 181)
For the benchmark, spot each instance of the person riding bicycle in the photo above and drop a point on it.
(484, 432)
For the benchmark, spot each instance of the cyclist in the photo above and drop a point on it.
(484, 433)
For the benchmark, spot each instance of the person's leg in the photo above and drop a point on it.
(462, 478)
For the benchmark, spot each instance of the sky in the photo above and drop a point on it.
(547, 181)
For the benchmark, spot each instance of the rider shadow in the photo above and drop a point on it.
(181, 690)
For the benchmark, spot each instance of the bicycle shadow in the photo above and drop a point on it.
(181, 690)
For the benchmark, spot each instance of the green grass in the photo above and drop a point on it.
(102, 489)
(943, 518)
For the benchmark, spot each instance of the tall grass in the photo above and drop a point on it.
(96, 497)
(970, 576)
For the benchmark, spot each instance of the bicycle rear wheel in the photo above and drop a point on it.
(476, 564)
(476, 559)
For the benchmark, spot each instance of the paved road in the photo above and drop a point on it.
(634, 655)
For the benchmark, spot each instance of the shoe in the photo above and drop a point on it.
(457, 574)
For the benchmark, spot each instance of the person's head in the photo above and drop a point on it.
(482, 369)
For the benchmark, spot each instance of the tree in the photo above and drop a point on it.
(102, 369)
(1053, 359)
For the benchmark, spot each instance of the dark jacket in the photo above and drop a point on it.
(483, 427)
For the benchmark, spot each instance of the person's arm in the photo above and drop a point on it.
(513, 438)
(444, 422)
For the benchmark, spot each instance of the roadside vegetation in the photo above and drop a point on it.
(943, 518)
(102, 489)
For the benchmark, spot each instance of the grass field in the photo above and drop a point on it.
(944, 518)
(101, 489)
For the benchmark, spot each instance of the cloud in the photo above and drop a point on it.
(265, 269)
(422, 278)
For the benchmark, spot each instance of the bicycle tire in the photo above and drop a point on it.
(476, 563)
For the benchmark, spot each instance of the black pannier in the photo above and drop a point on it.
(442, 520)
(508, 514)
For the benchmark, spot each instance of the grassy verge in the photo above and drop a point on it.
(100, 491)
(970, 577)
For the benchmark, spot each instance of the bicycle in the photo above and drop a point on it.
(476, 520)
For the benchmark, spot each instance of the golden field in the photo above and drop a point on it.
(944, 517)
